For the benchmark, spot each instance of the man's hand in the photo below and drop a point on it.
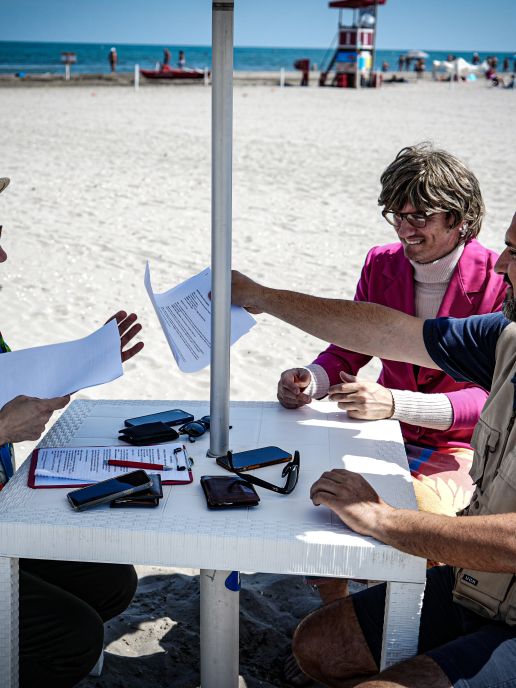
(362, 399)
(128, 330)
(351, 497)
(291, 385)
(24, 418)
(245, 292)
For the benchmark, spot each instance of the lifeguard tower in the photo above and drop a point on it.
(352, 59)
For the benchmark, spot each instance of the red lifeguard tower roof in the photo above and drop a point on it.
(355, 4)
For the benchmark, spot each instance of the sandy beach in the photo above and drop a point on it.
(105, 178)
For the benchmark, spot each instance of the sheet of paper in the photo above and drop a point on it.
(88, 464)
(184, 313)
(58, 369)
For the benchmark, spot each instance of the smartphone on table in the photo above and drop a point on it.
(172, 417)
(255, 458)
(107, 490)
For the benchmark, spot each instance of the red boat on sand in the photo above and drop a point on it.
(167, 72)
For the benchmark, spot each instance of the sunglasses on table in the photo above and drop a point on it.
(417, 220)
(290, 472)
(196, 428)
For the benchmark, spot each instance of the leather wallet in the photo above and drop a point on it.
(223, 492)
(148, 433)
(147, 498)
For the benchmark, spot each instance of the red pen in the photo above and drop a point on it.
(138, 464)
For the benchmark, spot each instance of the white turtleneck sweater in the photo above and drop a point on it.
(428, 410)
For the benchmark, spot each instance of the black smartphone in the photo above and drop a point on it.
(172, 417)
(223, 491)
(147, 498)
(255, 458)
(107, 490)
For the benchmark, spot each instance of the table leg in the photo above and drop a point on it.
(9, 586)
(401, 624)
(219, 628)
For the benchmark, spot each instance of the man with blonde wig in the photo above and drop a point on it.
(435, 268)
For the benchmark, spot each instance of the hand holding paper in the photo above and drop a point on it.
(184, 313)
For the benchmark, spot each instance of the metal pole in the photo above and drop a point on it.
(221, 218)
(136, 77)
(67, 72)
(373, 57)
(282, 77)
(219, 628)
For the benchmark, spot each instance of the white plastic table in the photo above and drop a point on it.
(284, 534)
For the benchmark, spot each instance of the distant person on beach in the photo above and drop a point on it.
(506, 64)
(113, 59)
(181, 62)
(401, 63)
(419, 68)
(63, 604)
(166, 57)
(475, 59)
(385, 66)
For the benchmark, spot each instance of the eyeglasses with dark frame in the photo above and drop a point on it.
(290, 472)
(417, 220)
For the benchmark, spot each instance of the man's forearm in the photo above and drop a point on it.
(482, 543)
(367, 328)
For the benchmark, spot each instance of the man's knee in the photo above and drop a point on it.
(330, 643)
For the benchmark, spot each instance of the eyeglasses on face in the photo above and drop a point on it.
(417, 220)
(290, 472)
(196, 428)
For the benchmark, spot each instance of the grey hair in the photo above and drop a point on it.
(433, 180)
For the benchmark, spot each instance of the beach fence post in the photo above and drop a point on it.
(220, 599)
(136, 77)
(221, 221)
(282, 77)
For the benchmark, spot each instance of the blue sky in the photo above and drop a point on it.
(431, 24)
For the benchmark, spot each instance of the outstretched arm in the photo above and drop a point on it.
(364, 327)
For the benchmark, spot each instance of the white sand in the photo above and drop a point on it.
(104, 179)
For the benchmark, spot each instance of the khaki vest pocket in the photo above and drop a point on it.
(507, 470)
(482, 592)
(484, 441)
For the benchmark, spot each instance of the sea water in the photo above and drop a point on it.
(92, 58)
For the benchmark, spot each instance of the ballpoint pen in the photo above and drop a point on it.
(139, 464)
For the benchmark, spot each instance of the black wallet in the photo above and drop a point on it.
(147, 498)
(148, 433)
(224, 492)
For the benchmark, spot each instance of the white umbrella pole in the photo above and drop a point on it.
(221, 217)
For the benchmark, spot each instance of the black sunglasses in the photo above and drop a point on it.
(290, 471)
(196, 428)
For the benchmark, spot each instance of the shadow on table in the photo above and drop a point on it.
(156, 641)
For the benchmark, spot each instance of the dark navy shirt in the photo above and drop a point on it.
(465, 348)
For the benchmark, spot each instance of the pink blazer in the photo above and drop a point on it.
(387, 278)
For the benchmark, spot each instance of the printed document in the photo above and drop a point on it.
(59, 369)
(184, 313)
(56, 465)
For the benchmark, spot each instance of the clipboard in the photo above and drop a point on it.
(40, 482)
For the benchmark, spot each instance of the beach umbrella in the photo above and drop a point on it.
(219, 589)
(416, 54)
